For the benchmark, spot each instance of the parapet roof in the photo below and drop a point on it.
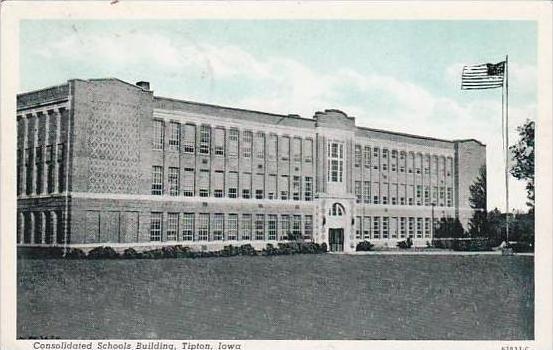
(267, 117)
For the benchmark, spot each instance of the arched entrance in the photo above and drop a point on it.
(337, 214)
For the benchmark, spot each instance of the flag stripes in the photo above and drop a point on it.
(483, 76)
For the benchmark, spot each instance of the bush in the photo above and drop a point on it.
(152, 254)
(521, 247)
(270, 250)
(408, 243)
(130, 253)
(247, 250)
(103, 253)
(472, 245)
(230, 250)
(75, 253)
(364, 246)
(324, 248)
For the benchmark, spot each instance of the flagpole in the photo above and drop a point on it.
(506, 91)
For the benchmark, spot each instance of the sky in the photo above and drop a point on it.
(398, 75)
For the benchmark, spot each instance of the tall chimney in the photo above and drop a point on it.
(144, 84)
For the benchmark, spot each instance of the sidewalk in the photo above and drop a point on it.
(429, 252)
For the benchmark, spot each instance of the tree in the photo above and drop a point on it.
(523, 156)
(478, 224)
(449, 228)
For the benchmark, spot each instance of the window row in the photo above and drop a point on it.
(402, 161)
(384, 227)
(393, 194)
(216, 184)
(41, 227)
(41, 170)
(229, 227)
(231, 143)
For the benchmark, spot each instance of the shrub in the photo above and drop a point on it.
(183, 252)
(75, 253)
(248, 250)
(364, 246)
(152, 254)
(270, 250)
(324, 247)
(230, 250)
(130, 253)
(472, 245)
(521, 247)
(408, 243)
(103, 253)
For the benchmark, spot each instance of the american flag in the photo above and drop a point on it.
(483, 76)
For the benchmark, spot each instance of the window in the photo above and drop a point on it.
(158, 134)
(419, 227)
(393, 227)
(358, 156)
(308, 151)
(188, 182)
(260, 145)
(426, 195)
(38, 161)
(367, 192)
(233, 143)
(384, 153)
(188, 226)
(296, 149)
(61, 174)
(172, 226)
(337, 209)
(155, 227)
(367, 227)
(219, 142)
(385, 220)
(358, 193)
(246, 230)
(173, 178)
(449, 197)
(203, 183)
(272, 227)
(335, 162)
(247, 141)
(308, 227)
(358, 227)
(376, 227)
(157, 180)
(203, 227)
(258, 194)
(308, 188)
(427, 227)
(296, 226)
(259, 227)
(411, 227)
(232, 227)
(283, 185)
(272, 147)
(419, 194)
(232, 183)
(402, 230)
(296, 188)
(246, 185)
(218, 184)
(189, 141)
(284, 226)
(174, 136)
(271, 186)
(284, 148)
(205, 139)
(218, 226)
(367, 154)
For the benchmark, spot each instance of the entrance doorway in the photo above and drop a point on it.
(336, 239)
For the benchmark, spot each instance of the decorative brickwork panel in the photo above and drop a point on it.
(92, 226)
(129, 227)
(109, 227)
(113, 149)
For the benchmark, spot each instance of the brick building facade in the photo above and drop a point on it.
(105, 162)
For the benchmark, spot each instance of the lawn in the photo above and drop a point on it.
(283, 297)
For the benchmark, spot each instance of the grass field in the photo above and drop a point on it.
(284, 297)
